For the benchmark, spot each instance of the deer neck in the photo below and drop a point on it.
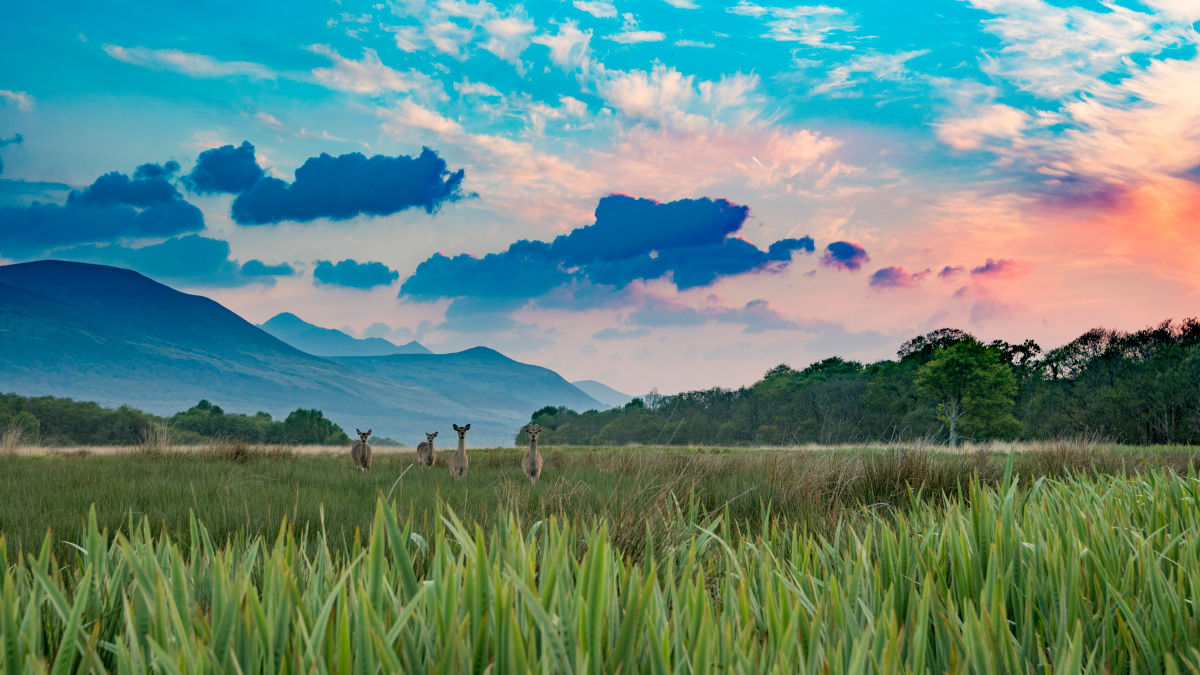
(462, 445)
(532, 448)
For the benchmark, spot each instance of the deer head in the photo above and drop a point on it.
(361, 435)
(533, 430)
(429, 437)
(462, 431)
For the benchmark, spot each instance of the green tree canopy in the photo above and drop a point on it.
(971, 385)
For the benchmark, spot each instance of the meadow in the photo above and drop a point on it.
(1063, 557)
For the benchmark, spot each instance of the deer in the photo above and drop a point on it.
(458, 463)
(361, 451)
(425, 450)
(532, 463)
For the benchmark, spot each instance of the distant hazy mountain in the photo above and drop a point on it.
(332, 342)
(113, 336)
(611, 398)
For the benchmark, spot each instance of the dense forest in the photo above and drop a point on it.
(47, 420)
(945, 386)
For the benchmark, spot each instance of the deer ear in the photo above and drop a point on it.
(357, 431)
(466, 427)
(369, 431)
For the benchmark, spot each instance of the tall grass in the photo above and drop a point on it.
(1075, 575)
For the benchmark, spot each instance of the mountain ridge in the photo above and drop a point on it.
(117, 337)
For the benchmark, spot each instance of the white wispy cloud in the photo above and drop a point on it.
(22, 100)
(1055, 51)
(366, 76)
(682, 4)
(632, 34)
(187, 63)
(568, 46)
(993, 121)
(467, 88)
(810, 25)
(694, 43)
(597, 8)
(874, 65)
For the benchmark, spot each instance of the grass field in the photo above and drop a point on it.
(1061, 558)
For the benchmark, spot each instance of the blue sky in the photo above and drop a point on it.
(1017, 168)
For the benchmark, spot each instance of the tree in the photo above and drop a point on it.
(969, 383)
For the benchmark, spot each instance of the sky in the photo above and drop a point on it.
(666, 194)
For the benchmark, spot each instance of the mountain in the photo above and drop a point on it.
(113, 336)
(611, 398)
(332, 342)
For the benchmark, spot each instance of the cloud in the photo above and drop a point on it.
(875, 65)
(998, 268)
(757, 316)
(618, 334)
(949, 272)
(113, 207)
(17, 139)
(225, 169)
(188, 63)
(191, 259)
(483, 89)
(568, 46)
(810, 25)
(682, 4)
(257, 268)
(694, 43)
(689, 240)
(597, 8)
(353, 274)
(844, 255)
(897, 277)
(992, 121)
(350, 185)
(508, 36)
(367, 76)
(631, 34)
(22, 100)
(151, 170)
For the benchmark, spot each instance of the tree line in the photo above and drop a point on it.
(1139, 388)
(62, 421)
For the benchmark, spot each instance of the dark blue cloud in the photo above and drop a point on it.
(782, 249)
(897, 277)
(844, 255)
(353, 274)
(15, 140)
(113, 207)
(151, 170)
(350, 185)
(995, 268)
(191, 259)
(225, 169)
(948, 271)
(632, 239)
(527, 269)
(627, 227)
(257, 268)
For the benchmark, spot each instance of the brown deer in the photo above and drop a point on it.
(532, 463)
(458, 463)
(361, 451)
(425, 450)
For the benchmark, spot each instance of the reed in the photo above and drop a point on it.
(1075, 574)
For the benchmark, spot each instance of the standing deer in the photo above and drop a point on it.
(458, 463)
(532, 463)
(361, 452)
(425, 450)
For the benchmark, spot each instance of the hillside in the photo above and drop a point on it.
(611, 398)
(321, 341)
(113, 336)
